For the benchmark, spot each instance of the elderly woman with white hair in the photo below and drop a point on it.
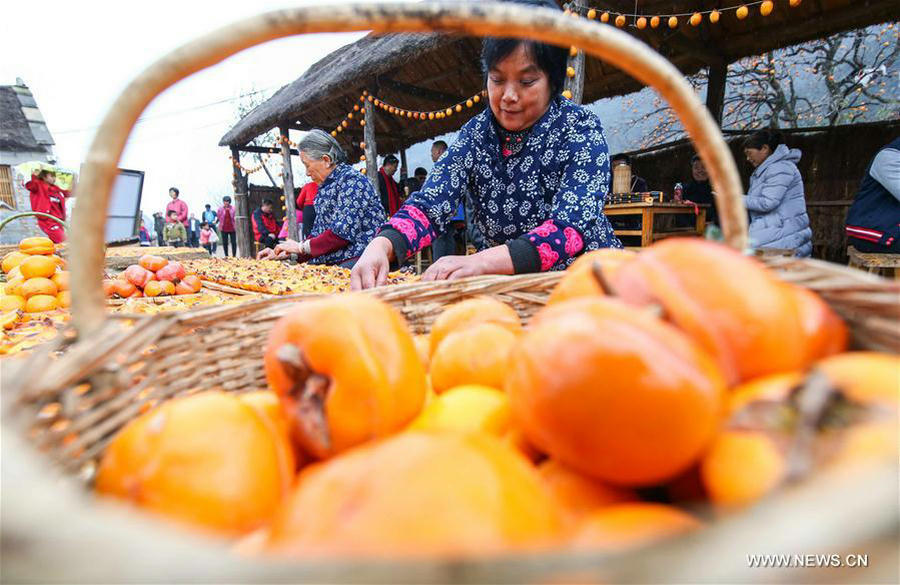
(347, 210)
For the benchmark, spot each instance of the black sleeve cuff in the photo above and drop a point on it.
(524, 256)
(401, 248)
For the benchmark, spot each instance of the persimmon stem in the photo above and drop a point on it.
(654, 309)
(309, 392)
(603, 282)
(812, 402)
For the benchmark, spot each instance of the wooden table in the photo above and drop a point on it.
(886, 265)
(648, 211)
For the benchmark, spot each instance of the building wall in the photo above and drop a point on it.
(26, 227)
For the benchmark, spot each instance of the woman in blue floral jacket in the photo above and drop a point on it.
(537, 167)
(348, 211)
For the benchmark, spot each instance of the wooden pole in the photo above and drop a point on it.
(371, 149)
(576, 84)
(289, 202)
(715, 91)
(241, 205)
(404, 170)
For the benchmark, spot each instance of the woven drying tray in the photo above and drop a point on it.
(70, 406)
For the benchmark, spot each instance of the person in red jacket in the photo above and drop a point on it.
(178, 206)
(265, 226)
(306, 205)
(47, 198)
(225, 215)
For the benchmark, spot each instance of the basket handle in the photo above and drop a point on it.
(32, 214)
(471, 18)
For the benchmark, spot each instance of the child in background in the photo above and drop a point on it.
(207, 235)
(144, 235)
(174, 232)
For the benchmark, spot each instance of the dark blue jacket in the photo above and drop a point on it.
(874, 216)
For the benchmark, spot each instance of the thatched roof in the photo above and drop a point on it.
(426, 72)
(16, 134)
(322, 96)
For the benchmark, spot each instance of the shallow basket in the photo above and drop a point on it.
(63, 404)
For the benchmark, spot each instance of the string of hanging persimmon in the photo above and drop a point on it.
(619, 19)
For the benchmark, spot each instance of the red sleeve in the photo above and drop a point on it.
(182, 212)
(38, 194)
(326, 242)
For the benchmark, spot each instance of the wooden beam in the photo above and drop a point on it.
(715, 91)
(241, 208)
(404, 170)
(576, 84)
(288, 187)
(371, 148)
(439, 97)
(263, 150)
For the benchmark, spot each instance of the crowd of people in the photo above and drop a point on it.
(177, 227)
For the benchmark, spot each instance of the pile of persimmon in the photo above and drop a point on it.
(152, 276)
(651, 383)
(36, 280)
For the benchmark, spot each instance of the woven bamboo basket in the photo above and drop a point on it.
(62, 405)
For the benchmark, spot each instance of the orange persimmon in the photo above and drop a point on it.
(627, 526)
(357, 379)
(151, 262)
(580, 280)
(477, 354)
(37, 246)
(469, 312)
(38, 267)
(61, 280)
(418, 494)
(64, 299)
(730, 304)
(12, 260)
(38, 286)
(40, 303)
(208, 460)
(613, 392)
(578, 495)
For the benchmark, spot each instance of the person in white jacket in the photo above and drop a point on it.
(775, 199)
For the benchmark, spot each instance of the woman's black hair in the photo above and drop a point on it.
(765, 137)
(550, 59)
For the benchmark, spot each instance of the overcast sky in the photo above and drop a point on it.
(77, 56)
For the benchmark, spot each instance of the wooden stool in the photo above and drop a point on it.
(884, 264)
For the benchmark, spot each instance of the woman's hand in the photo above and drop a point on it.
(286, 248)
(494, 260)
(454, 267)
(281, 251)
(372, 268)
